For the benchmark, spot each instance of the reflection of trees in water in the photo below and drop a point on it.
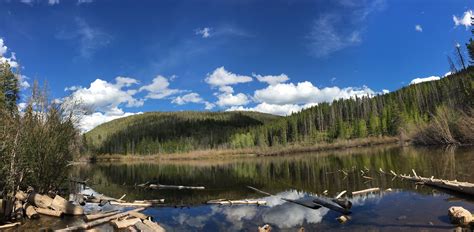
(312, 173)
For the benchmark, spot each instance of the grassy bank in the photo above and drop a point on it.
(250, 152)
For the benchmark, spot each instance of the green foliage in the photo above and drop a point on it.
(162, 132)
(36, 145)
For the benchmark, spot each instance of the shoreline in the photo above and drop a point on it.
(216, 154)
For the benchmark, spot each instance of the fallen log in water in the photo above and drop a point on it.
(330, 205)
(91, 224)
(122, 224)
(41, 201)
(91, 217)
(365, 191)
(30, 211)
(457, 186)
(306, 203)
(49, 212)
(10, 225)
(162, 186)
(236, 202)
(154, 226)
(61, 204)
(142, 227)
(131, 204)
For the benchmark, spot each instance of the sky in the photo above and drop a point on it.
(121, 58)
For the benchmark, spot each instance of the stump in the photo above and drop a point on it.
(460, 216)
(61, 204)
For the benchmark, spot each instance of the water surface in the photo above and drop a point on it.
(406, 208)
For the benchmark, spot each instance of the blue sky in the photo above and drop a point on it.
(126, 57)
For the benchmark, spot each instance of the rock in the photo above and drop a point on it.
(460, 216)
(265, 228)
(343, 219)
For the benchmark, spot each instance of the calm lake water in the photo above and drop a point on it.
(406, 208)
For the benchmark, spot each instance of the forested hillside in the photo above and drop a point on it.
(166, 132)
(402, 111)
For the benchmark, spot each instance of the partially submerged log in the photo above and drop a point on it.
(61, 204)
(142, 227)
(369, 190)
(330, 205)
(236, 202)
(162, 186)
(122, 224)
(154, 226)
(308, 203)
(91, 217)
(131, 204)
(30, 211)
(49, 212)
(10, 225)
(41, 201)
(139, 215)
(457, 186)
(88, 225)
(460, 216)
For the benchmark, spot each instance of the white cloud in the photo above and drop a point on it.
(228, 99)
(3, 52)
(204, 32)
(188, 98)
(159, 88)
(53, 2)
(22, 80)
(272, 80)
(125, 81)
(221, 77)
(89, 122)
(264, 107)
(306, 92)
(104, 96)
(90, 39)
(465, 20)
(72, 88)
(424, 79)
(418, 28)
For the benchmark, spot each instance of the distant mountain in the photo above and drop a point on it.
(166, 132)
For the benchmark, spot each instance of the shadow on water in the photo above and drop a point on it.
(294, 177)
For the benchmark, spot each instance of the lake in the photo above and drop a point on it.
(406, 208)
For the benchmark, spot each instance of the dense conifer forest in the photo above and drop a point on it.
(403, 112)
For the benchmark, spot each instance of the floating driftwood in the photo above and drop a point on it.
(49, 212)
(97, 222)
(453, 185)
(125, 223)
(10, 225)
(162, 186)
(91, 217)
(236, 202)
(365, 191)
(316, 202)
(131, 204)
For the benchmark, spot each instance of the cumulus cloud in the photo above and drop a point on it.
(22, 81)
(465, 20)
(418, 28)
(90, 39)
(221, 77)
(204, 32)
(192, 98)
(105, 100)
(105, 97)
(228, 99)
(305, 92)
(272, 80)
(159, 88)
(264, 107)
(424, 79)
(3, 52)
